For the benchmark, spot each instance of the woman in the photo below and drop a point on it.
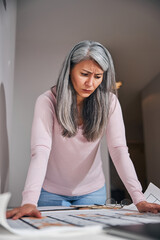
(69, 122)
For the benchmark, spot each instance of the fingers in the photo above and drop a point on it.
(26, 210)
(12, 212)
(154, 208)
(18, 215)
(148, 207)
(36, 213)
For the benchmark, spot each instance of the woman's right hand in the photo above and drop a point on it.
(25, 210)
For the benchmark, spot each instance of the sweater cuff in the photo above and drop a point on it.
(138, 197)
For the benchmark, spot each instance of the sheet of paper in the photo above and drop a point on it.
(54, 208)
(104, 217)
(20, 227)
(152, 195)
(60, 220)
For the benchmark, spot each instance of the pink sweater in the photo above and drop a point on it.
(72, 166)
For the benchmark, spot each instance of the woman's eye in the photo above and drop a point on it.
(84, 74)
(97, 77)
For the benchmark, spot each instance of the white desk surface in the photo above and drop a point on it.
(5, 235)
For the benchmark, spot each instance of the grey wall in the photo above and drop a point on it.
(7, 53)
(151, 123)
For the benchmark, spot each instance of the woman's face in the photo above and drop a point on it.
(86, 76)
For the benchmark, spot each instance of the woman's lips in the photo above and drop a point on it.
(86, 90)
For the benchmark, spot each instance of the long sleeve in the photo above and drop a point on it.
(41, 140)
(118, 150)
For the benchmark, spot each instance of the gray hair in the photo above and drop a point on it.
(96, 106)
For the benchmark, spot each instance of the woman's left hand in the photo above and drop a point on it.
(148, 207)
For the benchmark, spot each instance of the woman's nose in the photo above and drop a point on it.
(89, 81)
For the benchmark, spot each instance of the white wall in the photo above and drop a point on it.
(46, 30)
(151, 123)
(7, 52)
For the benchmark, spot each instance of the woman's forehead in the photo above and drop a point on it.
(90, 66)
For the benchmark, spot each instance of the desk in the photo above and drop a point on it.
(94, 219)
(5, 235)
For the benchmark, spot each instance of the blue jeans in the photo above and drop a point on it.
(52, 199)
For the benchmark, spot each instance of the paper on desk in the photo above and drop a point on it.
(152, 195)
(48, 231)
(90, 220)
(55, 208)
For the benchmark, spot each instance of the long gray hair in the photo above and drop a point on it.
(96, 106)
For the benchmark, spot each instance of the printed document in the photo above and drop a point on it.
(78, 219)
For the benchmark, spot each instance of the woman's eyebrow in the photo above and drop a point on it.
(91, 72)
